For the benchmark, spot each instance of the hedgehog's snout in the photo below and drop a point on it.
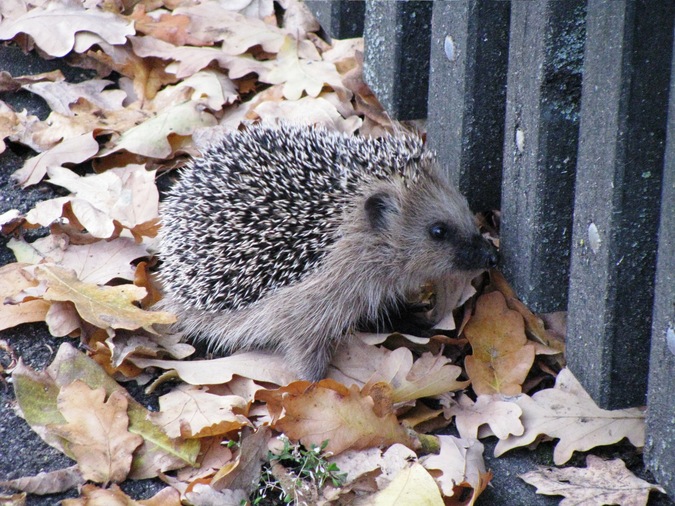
(476, 254)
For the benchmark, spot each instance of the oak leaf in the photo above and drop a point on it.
(459, 465)
(13, 281)
(214, 21)
(151, 138)
(60, 95)
(53, 482)
(126, 196)
(72, 150)
(102, 306)
(192, 412)
(600, 482)
(115, 496)
(244, 472)
(37, 392)
(97, 432)
(56, 30)
(502, 355)
(98, 262)
(257, 365)
(567, 412)
(346, 417)
(503, 417)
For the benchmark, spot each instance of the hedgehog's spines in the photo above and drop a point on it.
(287, 237)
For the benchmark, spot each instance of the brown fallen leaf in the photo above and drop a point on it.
(96, 432)
(534, 325)
(429, 375)
(190, 412)
(123, 196)
(71, 150)
(102, 306)
(115, 496)
(567, 412)
(244, 472)
(346, 417)
(97, 262)
(60, 95)
(600, 482)
(459, 465)
(256, 365)
(214, 22)
(502, 355)
(171, 28)
(12, 282)
(52, 482)
(56, 30)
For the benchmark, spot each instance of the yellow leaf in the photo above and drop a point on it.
(102, 306)
(413, 486)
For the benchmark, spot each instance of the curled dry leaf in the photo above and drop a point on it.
(244, 472)
(567, 412)
(72, 150)
(190, 412)
(60, 95)
(56, 30)
(13, 281)
(92, 495)
(214, 22)
(346, 417)
(256, 365)
(98, 262)
(102, 306)
(126, 196)
(502, 356)
(53, 482)
(459, 465)
(600, 482)
(101, 444)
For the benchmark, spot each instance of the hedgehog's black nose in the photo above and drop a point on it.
(476, 254)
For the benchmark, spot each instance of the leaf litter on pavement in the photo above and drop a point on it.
(172, 76)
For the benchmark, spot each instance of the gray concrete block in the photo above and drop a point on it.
(618, 187)
(540, 146)
(396, 61)
(340, 19)
(660, 447)
(467, 95)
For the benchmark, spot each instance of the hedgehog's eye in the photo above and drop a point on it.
(439, 231)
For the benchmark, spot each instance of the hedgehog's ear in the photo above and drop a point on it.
(379, 207)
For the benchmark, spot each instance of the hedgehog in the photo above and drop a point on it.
(289, 238)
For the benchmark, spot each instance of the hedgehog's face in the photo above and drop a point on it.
(432, 230)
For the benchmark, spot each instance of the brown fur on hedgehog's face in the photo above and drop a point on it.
(431, 227)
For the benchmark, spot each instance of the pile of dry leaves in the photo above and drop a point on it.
(172, 75)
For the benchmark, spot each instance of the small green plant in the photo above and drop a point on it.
(306, 469)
